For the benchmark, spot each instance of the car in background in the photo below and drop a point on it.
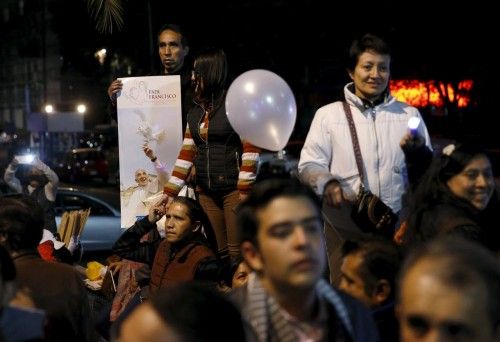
(83, 164)
(102, 228)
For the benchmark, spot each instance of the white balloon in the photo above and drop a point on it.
(261, 108)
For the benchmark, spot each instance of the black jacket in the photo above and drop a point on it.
(129, 245)
(455, 216)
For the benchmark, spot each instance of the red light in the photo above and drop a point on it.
(425, 93)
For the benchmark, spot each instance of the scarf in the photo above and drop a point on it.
(264, 313)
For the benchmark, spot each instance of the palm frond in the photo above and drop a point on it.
(108, 14)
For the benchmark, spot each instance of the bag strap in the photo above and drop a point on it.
(355, 141)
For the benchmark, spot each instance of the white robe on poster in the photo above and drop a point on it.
(135, 201)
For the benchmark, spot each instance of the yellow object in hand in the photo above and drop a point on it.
(93, 271)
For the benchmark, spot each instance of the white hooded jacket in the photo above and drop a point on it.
(328, 151)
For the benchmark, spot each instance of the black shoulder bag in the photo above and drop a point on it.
(369, 212)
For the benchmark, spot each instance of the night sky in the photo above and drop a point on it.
(288, 35)
(304, 42)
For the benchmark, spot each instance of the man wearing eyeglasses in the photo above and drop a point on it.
(286, 298)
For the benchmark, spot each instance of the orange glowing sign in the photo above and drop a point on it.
(426, 93)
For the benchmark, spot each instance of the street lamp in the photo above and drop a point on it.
(81, 108)
(49, 108)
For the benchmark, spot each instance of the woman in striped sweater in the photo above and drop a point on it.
(225, 165)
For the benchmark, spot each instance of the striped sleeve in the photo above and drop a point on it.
(248, 169)
(182, 165)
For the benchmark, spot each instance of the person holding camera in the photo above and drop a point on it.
(41, 186)
(328, 161)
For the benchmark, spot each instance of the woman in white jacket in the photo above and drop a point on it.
(327, 161)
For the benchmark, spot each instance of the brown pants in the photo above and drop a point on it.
(338, 227)
(220, 209)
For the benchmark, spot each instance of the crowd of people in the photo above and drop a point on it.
(282, 258)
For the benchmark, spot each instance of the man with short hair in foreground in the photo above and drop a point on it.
(286, 298)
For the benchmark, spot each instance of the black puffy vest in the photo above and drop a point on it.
(218, 158)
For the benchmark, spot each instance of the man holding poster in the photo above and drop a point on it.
(173, 48)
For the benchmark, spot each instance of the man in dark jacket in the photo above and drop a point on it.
(55, 287)
(286, 298)
(173, 47)
(174, 259)
(177, 257)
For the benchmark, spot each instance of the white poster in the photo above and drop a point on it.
(149, 112)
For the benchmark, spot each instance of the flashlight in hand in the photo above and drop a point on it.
(415, 139)
(25, 159)
(413, 125)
